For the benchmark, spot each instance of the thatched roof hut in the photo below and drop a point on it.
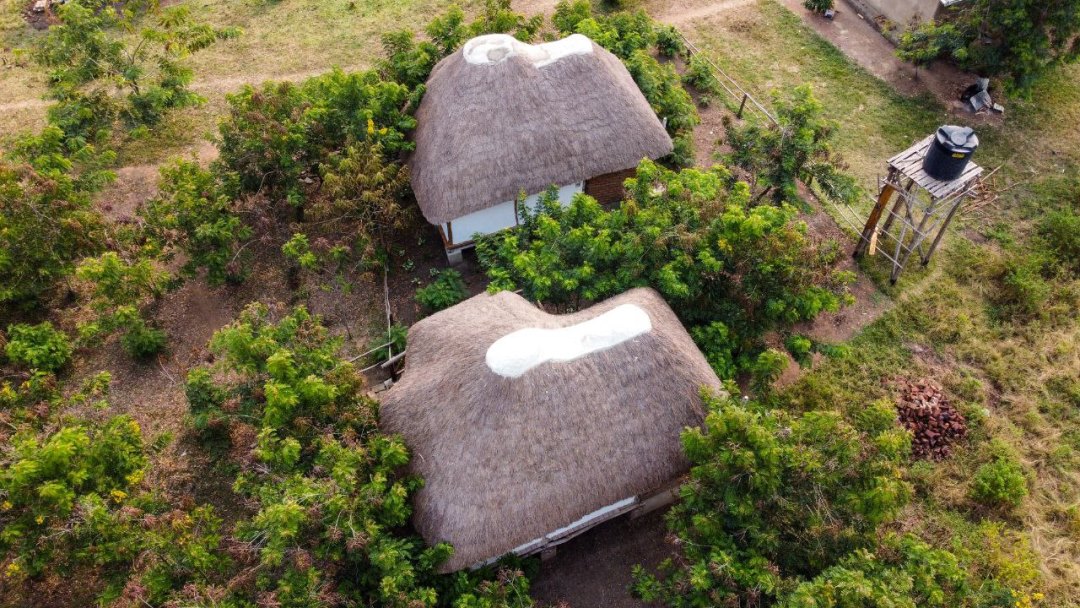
(501, 117)
(529, 427)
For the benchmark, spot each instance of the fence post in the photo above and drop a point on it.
(741, 106)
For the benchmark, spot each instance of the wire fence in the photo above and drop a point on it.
(739, 95)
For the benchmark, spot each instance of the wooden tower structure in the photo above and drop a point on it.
(924, 207)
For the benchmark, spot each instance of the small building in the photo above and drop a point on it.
(501, 117)
(529, 428)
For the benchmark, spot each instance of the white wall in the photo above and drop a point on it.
(501, 216)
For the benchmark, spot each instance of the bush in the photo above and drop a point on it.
(1060, 230)
(191, 213)
(446, 290)
(44, 479)
(774, 497)
(999, 483)
(700, 76)
(693, 236)
(47, 220)
(818, 6)
(39, 347)
(330, 494)
(669, 43)
(141, 341)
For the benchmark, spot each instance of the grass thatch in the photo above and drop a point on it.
(506, 461)
(488, 132)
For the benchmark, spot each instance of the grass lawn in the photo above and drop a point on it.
(1014, 373)
(280, 40)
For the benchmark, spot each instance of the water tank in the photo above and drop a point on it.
(949, 152)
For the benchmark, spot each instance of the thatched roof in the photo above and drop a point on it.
(531, 117)
(507, 460)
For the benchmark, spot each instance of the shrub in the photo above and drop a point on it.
(330, 494)
(700, 75)
(908, 573)
(818, 6)
(116, 290)
(46, 218)
(396, 336)
(669, 43)
(141, 341)
(999, 483)
(1061, 232)
(191, 213)
(446, 290)
(692, 235)
(40, 347)
(44, 479)
(773, 497)
(776, 156)
(89, 57)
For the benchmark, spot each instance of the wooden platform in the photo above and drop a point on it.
(910, 164)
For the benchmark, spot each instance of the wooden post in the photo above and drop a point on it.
(941, 231)
(875, 216)
(741, 106)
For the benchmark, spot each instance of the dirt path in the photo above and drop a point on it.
(857, 38)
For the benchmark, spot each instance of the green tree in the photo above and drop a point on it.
(47, 219)
(797, 147)
(43, 479)
(693, 236)
(117, 289)
(96, 73)
(331, 502)
(773, 496)
(38, 347)
(1018, 40)
(191, 213)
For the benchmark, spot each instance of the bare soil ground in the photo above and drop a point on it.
(593, 570)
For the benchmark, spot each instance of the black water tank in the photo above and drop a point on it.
(950, 152)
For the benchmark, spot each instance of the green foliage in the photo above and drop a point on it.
(192, 214)
(44, 479)
(139, 339)
(693, 236)
(1000, 482)
(444, 291)
(360, 209)
(907, 573)
(330, 497)
(773, 497)
(669, 43)
(410, 62)
(38, 347)
(396, 336)
(1060, 231)
(766, 369)
(274, 139)
(662, 87)
(928, 42)
(775, 156)
(818, 6)
(47, 220)
(1019, 40)
(699, 74)
(89, 56)
(116, 289)
(800, 348)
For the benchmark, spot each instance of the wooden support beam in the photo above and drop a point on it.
(875, 216)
